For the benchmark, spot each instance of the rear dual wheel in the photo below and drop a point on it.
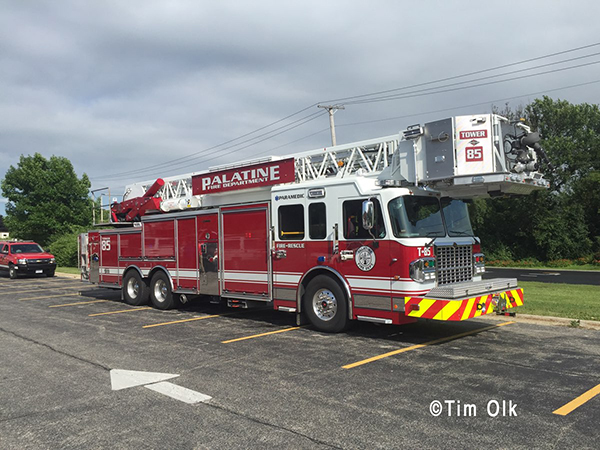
(135, 289)
(161, 295)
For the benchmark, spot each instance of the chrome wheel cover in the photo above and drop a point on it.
(161, 291)
(324, 304)
(133, 288)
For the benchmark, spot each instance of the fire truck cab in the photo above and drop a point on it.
(377, 230)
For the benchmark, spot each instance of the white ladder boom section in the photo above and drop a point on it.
(358, 158)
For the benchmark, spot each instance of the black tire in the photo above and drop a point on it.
(50, 273)
(135, 289)
(326, 305)
(12, 272)
(160, 292)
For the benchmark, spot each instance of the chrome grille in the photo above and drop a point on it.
(454, 263)
(35, 262)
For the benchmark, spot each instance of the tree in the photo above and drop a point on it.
(2, 226)
(563, 222)
(45, 197)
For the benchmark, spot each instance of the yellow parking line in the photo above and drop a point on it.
(181, 321)
(77, 303)
(49, 296)
(119, 312)
(415, 347)
(259, 335)
(40, 289)
(576, 403)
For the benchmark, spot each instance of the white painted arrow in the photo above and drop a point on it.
(155, 381)
(123, 379)
(178, 393)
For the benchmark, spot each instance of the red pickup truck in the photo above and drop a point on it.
(25, 258)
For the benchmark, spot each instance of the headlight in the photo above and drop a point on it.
(422, 270)
(21, 261)
(52, 260)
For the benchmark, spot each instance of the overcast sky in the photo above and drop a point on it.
(132, 85)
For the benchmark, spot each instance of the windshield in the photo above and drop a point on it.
(26, 248)
(416, 217)
(413, 216)
(456, 216)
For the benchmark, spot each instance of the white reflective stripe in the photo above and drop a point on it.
(246, 276)
(405, 286)
(110, 270)
(290, 279)
(3, 266)
(187, 273)
(367, 283)
(362, 277)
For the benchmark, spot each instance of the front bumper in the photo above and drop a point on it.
(32, 269)
(462, 308)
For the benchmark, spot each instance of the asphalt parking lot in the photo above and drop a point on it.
(499, 383)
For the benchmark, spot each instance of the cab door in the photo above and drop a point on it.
(3, 256)
(364, 257)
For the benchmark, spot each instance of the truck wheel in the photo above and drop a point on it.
(160, 292)
(326, 305)
(50, 273)
(135, 290)
(12, 272)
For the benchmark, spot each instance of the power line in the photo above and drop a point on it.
(214, 147)
(434, 112)
(420, 94)
(314, 116)
(491, 69)
(467, 106)
(183, 161)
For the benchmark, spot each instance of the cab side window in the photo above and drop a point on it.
(4, 249)
(291, 222)
(317, 222)
(353, 229)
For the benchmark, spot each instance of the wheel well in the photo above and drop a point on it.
(132, 268)
(165, 271)
(331, 273)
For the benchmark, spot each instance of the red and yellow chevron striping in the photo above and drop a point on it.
(462, 309)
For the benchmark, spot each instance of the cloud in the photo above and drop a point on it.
(119, 86)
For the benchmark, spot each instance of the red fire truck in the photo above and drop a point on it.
(376, 230)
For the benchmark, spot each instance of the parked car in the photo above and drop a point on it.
(25, 258)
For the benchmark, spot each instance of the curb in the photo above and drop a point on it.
(546, 269)
(68, 275)
(545, 320)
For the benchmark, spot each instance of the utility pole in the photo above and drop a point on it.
(331, 109)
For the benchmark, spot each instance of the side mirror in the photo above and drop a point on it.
(368, 214)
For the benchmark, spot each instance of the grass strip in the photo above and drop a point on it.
(572, 301)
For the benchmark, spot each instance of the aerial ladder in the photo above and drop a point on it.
(462, 157)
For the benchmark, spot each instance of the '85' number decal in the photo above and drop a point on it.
(425, 251)
(105, 245)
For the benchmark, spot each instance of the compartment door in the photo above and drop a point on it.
(208, 254)
(245, 259)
